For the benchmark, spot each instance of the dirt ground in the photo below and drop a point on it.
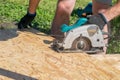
(26, 55)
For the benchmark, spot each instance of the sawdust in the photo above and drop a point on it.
(26, 55)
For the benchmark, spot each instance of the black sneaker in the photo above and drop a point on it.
(26, 21)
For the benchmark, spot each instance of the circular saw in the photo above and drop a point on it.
(86, 38)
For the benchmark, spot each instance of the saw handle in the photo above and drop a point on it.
(79, 22)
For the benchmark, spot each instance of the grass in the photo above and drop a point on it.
(114, 45)
(13, 10)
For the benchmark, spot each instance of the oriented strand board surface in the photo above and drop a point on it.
(27, 56)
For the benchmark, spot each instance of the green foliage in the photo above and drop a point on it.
(114, 46)
(13, 10)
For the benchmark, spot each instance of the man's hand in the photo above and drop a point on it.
(26, 20)
(98, 19)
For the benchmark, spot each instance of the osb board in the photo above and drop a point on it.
(26, 55)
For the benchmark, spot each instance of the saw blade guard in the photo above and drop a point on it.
(90, 32)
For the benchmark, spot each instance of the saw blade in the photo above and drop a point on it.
(81, 43)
